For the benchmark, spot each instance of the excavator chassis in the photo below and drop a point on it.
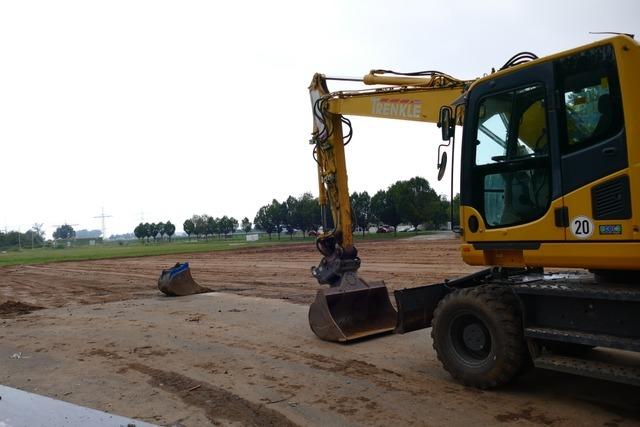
(561, 318)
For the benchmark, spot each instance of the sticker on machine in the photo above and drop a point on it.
(582, 227)
(609, 229)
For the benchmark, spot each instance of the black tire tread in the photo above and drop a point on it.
(500, 300)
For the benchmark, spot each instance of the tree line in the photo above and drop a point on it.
(15, 239)
(154, 230)
(410, 201)
(300, 213)
(205, 226)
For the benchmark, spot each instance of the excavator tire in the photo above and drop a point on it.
(477, 335)
(177, 282)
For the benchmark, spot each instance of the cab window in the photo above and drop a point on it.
(591, 97)
(512, 157)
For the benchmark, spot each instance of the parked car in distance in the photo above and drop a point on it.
(405, 229)
(385, 229)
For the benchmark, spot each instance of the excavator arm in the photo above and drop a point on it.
(353, 308)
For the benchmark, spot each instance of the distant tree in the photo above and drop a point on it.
(36, 234)
(189, 227)
(148, 230)
(385, 208)
(213, 227)
(292, 215)
(33, 237)
(228, 225)
(361, 208)
(153, 230)
(441, 214)
(169, 229)
(160, 228)
(307, 217)
(14, 239)
(140, 231)
(65, 231)
(417, 202)
(37, 228)
(246, 225)
(264, 221)
(200, 222)
(279, 214)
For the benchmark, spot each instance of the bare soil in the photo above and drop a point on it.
(281, 272)
(10, 309)
(244, 355)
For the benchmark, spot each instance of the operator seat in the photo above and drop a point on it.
(606, 116)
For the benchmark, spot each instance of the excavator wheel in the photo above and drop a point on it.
(477, 335)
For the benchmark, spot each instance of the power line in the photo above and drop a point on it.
(104, 228)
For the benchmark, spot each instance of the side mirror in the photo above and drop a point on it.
(446, 122)
(442, 166)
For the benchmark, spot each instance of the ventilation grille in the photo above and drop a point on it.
(612, 199)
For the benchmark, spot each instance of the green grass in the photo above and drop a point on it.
(131, 249)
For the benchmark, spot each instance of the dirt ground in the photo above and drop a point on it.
(99, 334)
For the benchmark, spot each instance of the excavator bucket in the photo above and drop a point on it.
(353, 310)
(177, 281)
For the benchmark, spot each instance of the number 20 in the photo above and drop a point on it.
(582, 227)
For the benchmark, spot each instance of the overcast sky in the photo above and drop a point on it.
(159, 110)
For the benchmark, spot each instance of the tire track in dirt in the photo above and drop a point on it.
(218, 403)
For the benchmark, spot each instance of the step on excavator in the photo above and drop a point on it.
(549, 179)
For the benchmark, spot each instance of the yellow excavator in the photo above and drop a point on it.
(550, 178)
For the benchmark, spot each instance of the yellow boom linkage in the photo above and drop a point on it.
(352, 308)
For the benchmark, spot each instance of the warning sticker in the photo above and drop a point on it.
(582, 227)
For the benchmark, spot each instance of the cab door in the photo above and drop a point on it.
(511, 182)
(593, 148)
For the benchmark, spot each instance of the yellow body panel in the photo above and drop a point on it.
(590, 255)
(540, 229)
(579, 204)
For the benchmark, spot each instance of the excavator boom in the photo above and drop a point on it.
(352, 308)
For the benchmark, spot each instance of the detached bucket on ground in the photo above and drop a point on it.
(352, 310)
(177, 282)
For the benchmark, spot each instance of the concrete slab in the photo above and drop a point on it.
(22, 409)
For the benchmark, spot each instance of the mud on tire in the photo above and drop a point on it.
(477, 335)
